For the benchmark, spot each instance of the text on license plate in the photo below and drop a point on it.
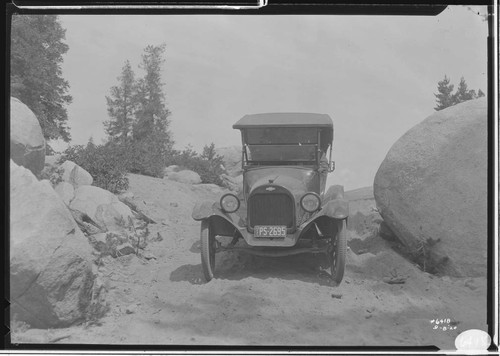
(269, 231)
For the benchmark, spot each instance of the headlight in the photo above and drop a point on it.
(229, 203)
(310, 202)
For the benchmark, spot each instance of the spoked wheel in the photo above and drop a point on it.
(208, 246)
(337, 251)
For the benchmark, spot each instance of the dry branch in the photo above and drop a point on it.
(136, 209)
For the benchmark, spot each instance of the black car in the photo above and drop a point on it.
(283, 209)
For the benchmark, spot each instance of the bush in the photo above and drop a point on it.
(105, 163)
(53, 174)
(146, 157)
(208, 165)
(109, 163)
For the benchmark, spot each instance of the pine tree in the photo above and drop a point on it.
(462, 93)
(152, 145)
(37, 49)
(444, 98)
(215, 161)
(121, 107)
(152, 113)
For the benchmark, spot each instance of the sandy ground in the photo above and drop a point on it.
(268, 301)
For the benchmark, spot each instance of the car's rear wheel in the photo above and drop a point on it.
(338, 247)
(208, 246)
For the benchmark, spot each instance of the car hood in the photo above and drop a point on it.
(298, 180)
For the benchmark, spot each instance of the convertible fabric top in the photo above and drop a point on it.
(284, 120)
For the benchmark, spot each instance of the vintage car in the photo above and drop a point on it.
(283, 208)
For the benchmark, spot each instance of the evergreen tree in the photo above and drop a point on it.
(37, 49)
(215, 161)
(152, 146)
(90, 143)
(444, 98)
(121, 107)
(152, 113)
(462, 93)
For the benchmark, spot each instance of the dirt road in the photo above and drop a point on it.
(160, 298)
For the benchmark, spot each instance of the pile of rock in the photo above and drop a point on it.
(99, 212)
(27, 145)
(54, 278)
(51, 276)
(178, 174)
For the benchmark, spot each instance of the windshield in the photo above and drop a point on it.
(281, 135)
(283, 145)
(281, 153)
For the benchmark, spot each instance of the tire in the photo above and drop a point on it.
(207, 238)
(338, 252)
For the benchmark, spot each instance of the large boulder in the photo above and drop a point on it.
(50, 259)
(75, 175)
(102, 207)
(170, 169)
(209, 188)
(66, 191)
(27, 145)
(185, 176)
(52, 170)
(431, 190)
(232, 159)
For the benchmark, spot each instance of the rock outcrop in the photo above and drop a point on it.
(185, 176)
(27, 145)
(170, 169)
(66, 191)
(208, 187)
(50, 258)
(102, 207)
(431, 190)
(75, 175)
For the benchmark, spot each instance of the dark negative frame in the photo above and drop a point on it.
(166, 7)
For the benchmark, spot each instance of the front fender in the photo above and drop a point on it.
(204, 210)
(223, 223)
(335, 208)
(207, 209)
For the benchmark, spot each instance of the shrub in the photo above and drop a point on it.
(53, 174)
(145, 157)
(208, 165)
(105, 163)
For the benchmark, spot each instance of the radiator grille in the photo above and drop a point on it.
(270, 209)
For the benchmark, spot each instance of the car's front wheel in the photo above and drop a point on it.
(338, 247)
(208, 246)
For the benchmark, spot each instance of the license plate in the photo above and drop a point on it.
(275, 231)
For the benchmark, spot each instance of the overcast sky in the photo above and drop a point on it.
(374, 75)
